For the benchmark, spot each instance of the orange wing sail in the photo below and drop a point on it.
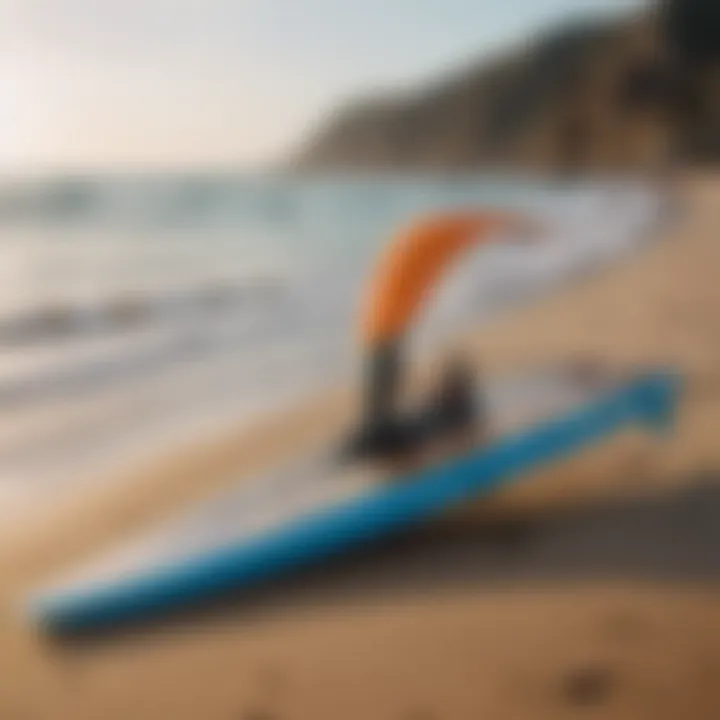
(412, 265)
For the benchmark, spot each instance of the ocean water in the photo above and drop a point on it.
(141, 312)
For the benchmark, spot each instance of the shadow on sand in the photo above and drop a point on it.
(668, 539)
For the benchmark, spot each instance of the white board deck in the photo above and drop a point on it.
(260, 504)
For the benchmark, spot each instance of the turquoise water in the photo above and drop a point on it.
(137, 311)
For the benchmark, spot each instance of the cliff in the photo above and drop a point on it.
(597, 95)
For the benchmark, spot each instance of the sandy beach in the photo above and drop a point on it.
(591, 590)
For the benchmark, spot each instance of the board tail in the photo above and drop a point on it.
(656, 397)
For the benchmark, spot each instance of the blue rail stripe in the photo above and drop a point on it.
(648, 400)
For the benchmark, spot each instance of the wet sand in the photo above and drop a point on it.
(592, 590)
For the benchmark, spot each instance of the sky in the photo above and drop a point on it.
(164, 83)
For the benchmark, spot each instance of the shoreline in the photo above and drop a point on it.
(660, 306)
(637, 213)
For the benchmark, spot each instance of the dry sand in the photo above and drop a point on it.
(545, 603)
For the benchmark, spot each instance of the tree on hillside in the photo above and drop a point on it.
(692, 30)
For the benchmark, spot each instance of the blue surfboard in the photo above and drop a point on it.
(314, 510)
